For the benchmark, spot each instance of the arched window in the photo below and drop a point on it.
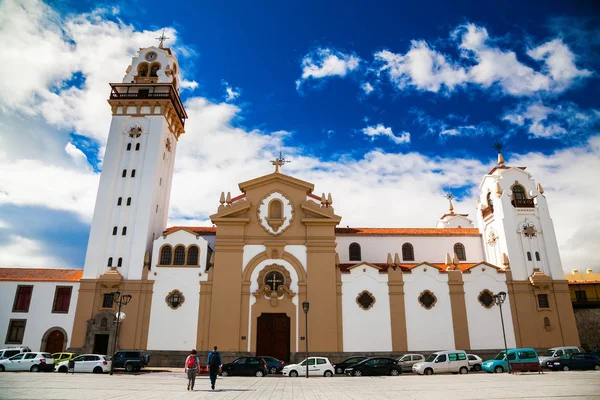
(119, 201)
(354, 250)
(179, 258)
(143, 69)
(537, 256)
(124, 174)
(192, 258)
(128, 146)
(166, 254)
(154, 69)
(133, 173)
(408, 253)
(276, 209)
(124, 231)
(110, 261)
(519, 192)
(114, 230)
(528, 256)
(119, 262)
(137, 146)
(490, 201)
(460, 252)
(129, 201)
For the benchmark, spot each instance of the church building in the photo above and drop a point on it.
(277, 246)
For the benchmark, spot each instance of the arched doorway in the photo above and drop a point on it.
(54, 340)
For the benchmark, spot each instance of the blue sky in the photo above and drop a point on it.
(370, 100)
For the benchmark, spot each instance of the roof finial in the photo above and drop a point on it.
(450, 196)
(162, 38)
(279, 162)
(499, 147)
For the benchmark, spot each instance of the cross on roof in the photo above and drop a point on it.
(279, 162)
(450, 196)
(498, 146)
(162, 38)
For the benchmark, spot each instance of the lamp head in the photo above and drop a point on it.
(305, 306)
(126, 298)
(116, 296)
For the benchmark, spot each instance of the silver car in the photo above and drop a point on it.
(555, 353)
(408, 360)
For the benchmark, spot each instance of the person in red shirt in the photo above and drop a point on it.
(191, 368)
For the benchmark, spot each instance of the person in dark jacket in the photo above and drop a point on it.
(214, 365)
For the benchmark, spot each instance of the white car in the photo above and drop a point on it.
(33, 362)
(12, 351)
(474, 362)
(454, 361)
(96, 363)
(317, 366)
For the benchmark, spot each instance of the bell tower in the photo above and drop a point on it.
(135, 184)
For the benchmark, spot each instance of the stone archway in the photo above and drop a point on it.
(54, 340)
(100, 336)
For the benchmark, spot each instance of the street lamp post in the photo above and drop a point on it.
(121, 300)
(498, 300)
(305, 307)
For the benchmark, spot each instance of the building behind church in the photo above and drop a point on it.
(275, 244)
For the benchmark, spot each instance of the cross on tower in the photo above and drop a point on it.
(498, 146)
(279, 162)
(450, 197)
(162, 38)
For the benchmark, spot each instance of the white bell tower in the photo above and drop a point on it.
(135, 184)
(514, 219)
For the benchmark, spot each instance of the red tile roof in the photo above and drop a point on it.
(406, 267)
(40, 274)
(408, 231)
(207, 230)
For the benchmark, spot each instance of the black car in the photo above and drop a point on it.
(375, 366)
(248, 366)
(341, 366)
(576, 361)
(131, 360)
(274, 366)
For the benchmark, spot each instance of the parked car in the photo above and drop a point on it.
(375, 366)
(341, 366)
(520, 360)
(60, 357)
(131, 360)
(246, 366)
(96, 363)
(274, 366)
(454, 361)
(12, 351)
(32, 361)
(474, 362)
(555, 353)
(576, 361)
(317, 366)
(408, 360)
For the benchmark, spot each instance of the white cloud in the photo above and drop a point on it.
(367, 88)
(543, 121)
(23, 252)
(4, 224)
(421, 67)
(381, 130)
(324, 63)
(231, 93)
(560, 62)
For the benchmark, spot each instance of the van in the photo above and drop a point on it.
(520, 360)
(12, 351)
(555, 353)
(454, 361)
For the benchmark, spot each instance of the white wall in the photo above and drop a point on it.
(366, 330)
(176, 329)
(485, 326)
(432, 249)
(428, 329)
(40, 317)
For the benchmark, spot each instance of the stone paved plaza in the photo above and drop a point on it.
(171, 385)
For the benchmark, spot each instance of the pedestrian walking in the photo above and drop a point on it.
(214, 366)
(191, 368)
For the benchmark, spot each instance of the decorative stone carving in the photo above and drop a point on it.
(274, 283)
(175, 299)
(492, 239)
(135, 132)
(275, 224)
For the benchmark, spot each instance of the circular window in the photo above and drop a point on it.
(486, 298)
(151, 56)
(273, 280)
(175, 299)
(427, 299)
(365, 300)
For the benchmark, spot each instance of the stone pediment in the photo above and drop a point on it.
(237, 210)
(314, 211)
(277, 177)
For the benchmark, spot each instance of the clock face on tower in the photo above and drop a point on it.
(151, 56)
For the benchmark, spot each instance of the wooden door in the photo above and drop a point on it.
(273, 336)
(55, 342)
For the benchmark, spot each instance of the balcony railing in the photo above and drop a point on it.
(156, 91)
(487, 211)
(523, 203)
